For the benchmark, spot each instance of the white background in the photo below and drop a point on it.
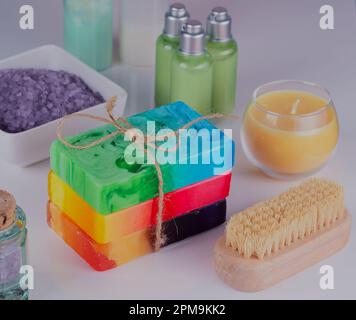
(278, 39)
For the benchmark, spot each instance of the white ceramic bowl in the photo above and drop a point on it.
(27, 147)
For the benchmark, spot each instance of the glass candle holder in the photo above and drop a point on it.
(12, 257)
(88, 31)
(290, 129)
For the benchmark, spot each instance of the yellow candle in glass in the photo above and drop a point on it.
(290, 132)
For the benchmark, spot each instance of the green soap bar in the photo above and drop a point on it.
(102, 177)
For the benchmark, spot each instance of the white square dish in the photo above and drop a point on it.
(30, 146)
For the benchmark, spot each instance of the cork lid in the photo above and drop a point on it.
(7, 209)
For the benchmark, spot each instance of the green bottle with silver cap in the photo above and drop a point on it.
(192, 69)
(166, 45)
(224, 51)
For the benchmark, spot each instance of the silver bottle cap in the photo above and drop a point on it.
(192, 39)
(176, 16)
(219, 25)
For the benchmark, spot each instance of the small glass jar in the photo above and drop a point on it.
(88, 31)
(12, 257)
(290, 128)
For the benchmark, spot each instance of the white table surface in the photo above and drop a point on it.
(278, 39)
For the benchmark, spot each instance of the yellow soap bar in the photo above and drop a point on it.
(107, 228)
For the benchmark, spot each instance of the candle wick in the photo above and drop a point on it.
(295, 106)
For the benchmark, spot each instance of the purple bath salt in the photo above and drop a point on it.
(32, 97)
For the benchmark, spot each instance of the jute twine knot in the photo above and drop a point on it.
(125, 127)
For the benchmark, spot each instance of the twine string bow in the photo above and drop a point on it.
(123, 127)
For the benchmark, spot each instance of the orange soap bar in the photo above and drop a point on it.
(107, 228)
(107, 256)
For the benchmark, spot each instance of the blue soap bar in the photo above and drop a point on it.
(104, 179)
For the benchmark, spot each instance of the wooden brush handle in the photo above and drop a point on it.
(252, 274)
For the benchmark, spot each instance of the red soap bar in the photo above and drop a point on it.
(107, 228)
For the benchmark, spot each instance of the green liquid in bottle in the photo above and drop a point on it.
(192, 78)
(165, 48)
(224, 56)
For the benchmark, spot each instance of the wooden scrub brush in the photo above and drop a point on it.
(279, 237)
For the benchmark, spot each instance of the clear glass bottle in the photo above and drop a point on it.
(12, 254)
(88, 31)
(192, 72)
(223, 49)
(167, 43)
(140, 25)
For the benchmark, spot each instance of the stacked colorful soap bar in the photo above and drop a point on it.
(105, 208)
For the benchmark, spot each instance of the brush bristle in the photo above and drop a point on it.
(272, 225)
